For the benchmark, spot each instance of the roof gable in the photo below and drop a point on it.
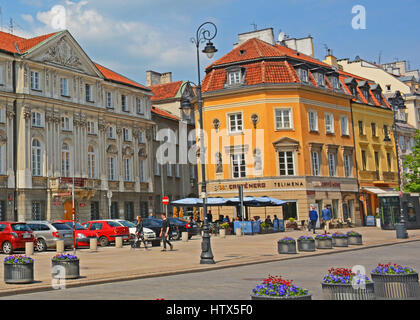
(166, 90)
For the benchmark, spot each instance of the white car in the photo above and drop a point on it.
(149, 234)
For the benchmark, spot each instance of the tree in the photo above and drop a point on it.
(412, 163)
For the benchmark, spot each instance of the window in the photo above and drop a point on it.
(36, 158)
(366, 94)
(35, 80)
(315, 163)
(373, 126)
(304, 75)
(88, 91)
(234, 77)
(313, 120)
(36, 119)
(353, 91)
(1, 75)
(331, 164)
(334, 82)
(142, 170)
(64, 87)
(127, 134)
(377, 160)
(388, 87)
(94, 210)
(238, 165)
(2, 117)
(3, 211)
(235, 123)
(169, 170)
(286, 163)
(127, 170)
(378, 96)
(364, 160)
(65, 124)
(139, 106)
(320, 79)
(329, 123)
(140, 137)
(283, 119)
(109, 100)
(111, 169)
(129, 211)
(388, 160)
(1, 160)
(110, 132)
(347, 165)
(386, 132)
(114, 211)
(65, 160)
(91, 127)
(344, 125)
(361, 128)
(36, 211)
(91, 163)
(124, 105)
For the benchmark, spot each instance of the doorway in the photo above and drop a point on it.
(290, 210)
(68, 206)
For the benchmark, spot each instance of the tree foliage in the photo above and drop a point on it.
(412, 163)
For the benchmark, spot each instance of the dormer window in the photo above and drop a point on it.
(234, 77)
(334, 82)
(320, 80)
(303, 74)
(366, 94)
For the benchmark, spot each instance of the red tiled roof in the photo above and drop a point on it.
(163, 113)
(165, 91)
(8, 42)
(113, 76)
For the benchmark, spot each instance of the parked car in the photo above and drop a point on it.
(176, 227)
(153, 224)
(107, 231)
(14, 235)
(82, 234)
(47, 233)
(149, 234)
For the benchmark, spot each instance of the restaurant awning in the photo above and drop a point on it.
(381, 192)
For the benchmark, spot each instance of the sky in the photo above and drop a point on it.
(132, 36)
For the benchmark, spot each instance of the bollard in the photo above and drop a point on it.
(29, 248)
(238, 232)
(222, 233)
(93, 244)
(118, 242)
(60, 246)
(184, 236)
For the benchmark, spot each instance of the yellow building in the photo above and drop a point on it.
(278, 123)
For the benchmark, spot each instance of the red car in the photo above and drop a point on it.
(83, 235)
(14, 235)
(107, 231)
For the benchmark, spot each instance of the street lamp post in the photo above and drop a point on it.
(203, 34)
(397, 103)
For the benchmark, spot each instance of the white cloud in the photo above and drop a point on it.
(28, 18)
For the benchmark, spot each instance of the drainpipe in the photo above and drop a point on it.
(15, 213)
(355, 158)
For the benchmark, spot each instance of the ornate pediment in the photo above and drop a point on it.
(62, 53)
(112, 149)
(286, 142)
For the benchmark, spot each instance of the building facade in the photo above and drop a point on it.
(69, 122)
(280, 125)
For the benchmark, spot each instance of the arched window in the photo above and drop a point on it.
(91, 162)
(65, 160)
(36, 158)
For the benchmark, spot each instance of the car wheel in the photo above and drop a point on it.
(7, 247)
(41, 245)
(103, 241)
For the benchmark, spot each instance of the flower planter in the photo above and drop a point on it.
(222, 233)
(286, 248)
(306, 245)
(323, 243)
(70, 271)
(355, 240)
(339, 291)
(396, 286)
(18, 273)
(340, 241)
(306, 297)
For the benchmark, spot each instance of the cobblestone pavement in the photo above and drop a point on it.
(236, 283)
(115, 264)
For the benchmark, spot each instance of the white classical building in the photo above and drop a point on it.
(66, 120)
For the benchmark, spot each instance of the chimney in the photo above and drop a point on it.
(332, 61)
(266, 35)
(153, 78)
(304, 45)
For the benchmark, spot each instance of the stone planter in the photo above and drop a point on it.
(70, 271)
(339, 291)
(306, 297)
(340, 242)
(355, 240)
(306, 245)
(222, 233)
(323, 243)
(396, 286)
(286, 248)
(18, 273)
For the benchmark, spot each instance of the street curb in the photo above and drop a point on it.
(44, 288)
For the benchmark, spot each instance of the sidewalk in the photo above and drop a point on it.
(111, 264)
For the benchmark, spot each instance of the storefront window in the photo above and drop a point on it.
(389, 209)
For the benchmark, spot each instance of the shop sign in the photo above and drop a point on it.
(78, 182)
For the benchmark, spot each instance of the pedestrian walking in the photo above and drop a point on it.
(151, 215)
(164, 232)
(313, 217)
(326, 218)
(139, 235)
